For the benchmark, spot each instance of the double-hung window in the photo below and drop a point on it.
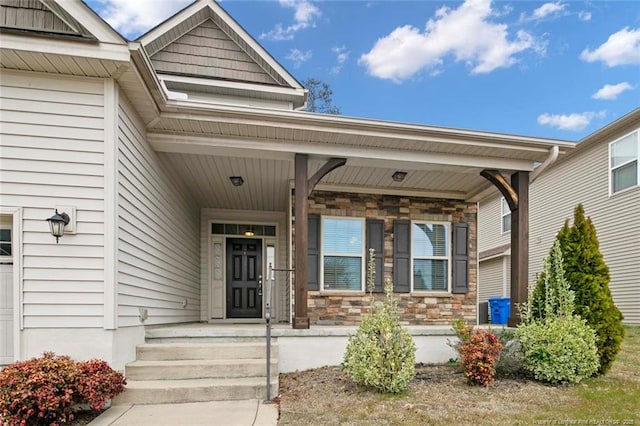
(431, 251)
(342, 253)
(506, 215)
(623, 162)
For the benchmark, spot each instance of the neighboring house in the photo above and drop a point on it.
(602, 173)
(176, 157)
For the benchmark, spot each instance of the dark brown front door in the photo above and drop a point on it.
(244, 270)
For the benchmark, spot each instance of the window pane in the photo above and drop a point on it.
(625, 176)
(343, 236)
(5, 249)
(429, 274)
(430, 239)
(506, 223)
(624, 150)
(269, 230)
(342, 273)
(217, 228)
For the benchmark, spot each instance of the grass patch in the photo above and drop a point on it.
(439, 395)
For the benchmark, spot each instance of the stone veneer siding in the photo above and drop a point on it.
(342, 308)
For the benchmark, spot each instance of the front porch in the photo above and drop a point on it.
(302, 349)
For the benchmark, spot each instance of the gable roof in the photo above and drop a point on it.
(211, 22)
(40, 16)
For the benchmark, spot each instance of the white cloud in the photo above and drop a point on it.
(131, 18)
(466, 33)
(342, 54)
(621, 48)
(304, 14)
(584, 16)
(610, 92)
(573, 122)
(298, 57)
(548, 9)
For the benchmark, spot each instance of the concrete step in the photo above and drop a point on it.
(203, 339)
(217, 350)
(199, 369)
(194, 390)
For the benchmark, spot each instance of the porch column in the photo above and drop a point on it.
(519, 245)
(516, 195)
(301, 320)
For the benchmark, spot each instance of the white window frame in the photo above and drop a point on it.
(447, 257)
(503, 214)
(324, 253)
(637, 160)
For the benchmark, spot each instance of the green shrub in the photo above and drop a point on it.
(382, 353)
(43, 391)
(588, 277)
(559, 349)
(479, 355)
(557, 345)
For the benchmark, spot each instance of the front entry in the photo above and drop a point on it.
(244, 278)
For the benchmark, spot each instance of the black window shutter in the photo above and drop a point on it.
(313, 253)
(401, 256)
(460, 258)
(375, 241)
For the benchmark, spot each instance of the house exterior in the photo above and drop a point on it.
(187, 166)
(601, 173)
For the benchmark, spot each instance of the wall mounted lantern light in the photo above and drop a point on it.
(399, 176)
(57, 223)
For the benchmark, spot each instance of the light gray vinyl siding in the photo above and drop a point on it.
(490, 233)
(52, 153)
(584, 178)
(31, 15)
(158, 234)
(491, 280)
(207, 51)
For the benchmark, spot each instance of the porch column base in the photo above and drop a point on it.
(301, 323)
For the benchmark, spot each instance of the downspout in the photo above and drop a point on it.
(553, 156)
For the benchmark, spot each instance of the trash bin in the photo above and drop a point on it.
(500, 308)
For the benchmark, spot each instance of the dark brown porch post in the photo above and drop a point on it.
(519, 246)
(301, 320)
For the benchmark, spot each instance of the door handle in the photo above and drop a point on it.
(259, 285)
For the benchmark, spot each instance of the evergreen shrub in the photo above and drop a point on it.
(381, 354)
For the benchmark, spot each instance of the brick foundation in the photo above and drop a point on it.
(342, 308)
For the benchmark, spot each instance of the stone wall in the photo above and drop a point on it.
(346, 308)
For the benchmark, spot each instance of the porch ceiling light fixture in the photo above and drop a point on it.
(249, 232)
(399, 176)
(236, 180)
(57, 223)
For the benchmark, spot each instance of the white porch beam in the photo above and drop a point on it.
(230, 146)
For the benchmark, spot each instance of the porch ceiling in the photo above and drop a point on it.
(208, 144)
(266, 181)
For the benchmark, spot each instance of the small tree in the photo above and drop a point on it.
(588, 277)
(320, 98)
(557, 345)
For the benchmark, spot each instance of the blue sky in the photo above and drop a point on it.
(559, 69)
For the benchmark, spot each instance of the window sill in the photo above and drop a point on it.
(337, 293)
(431, 294)
(623, 191)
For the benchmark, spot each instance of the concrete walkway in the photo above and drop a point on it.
(220, 413)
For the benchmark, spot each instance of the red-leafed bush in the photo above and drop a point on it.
(43, 391)
(479, 355)
(99, 383)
